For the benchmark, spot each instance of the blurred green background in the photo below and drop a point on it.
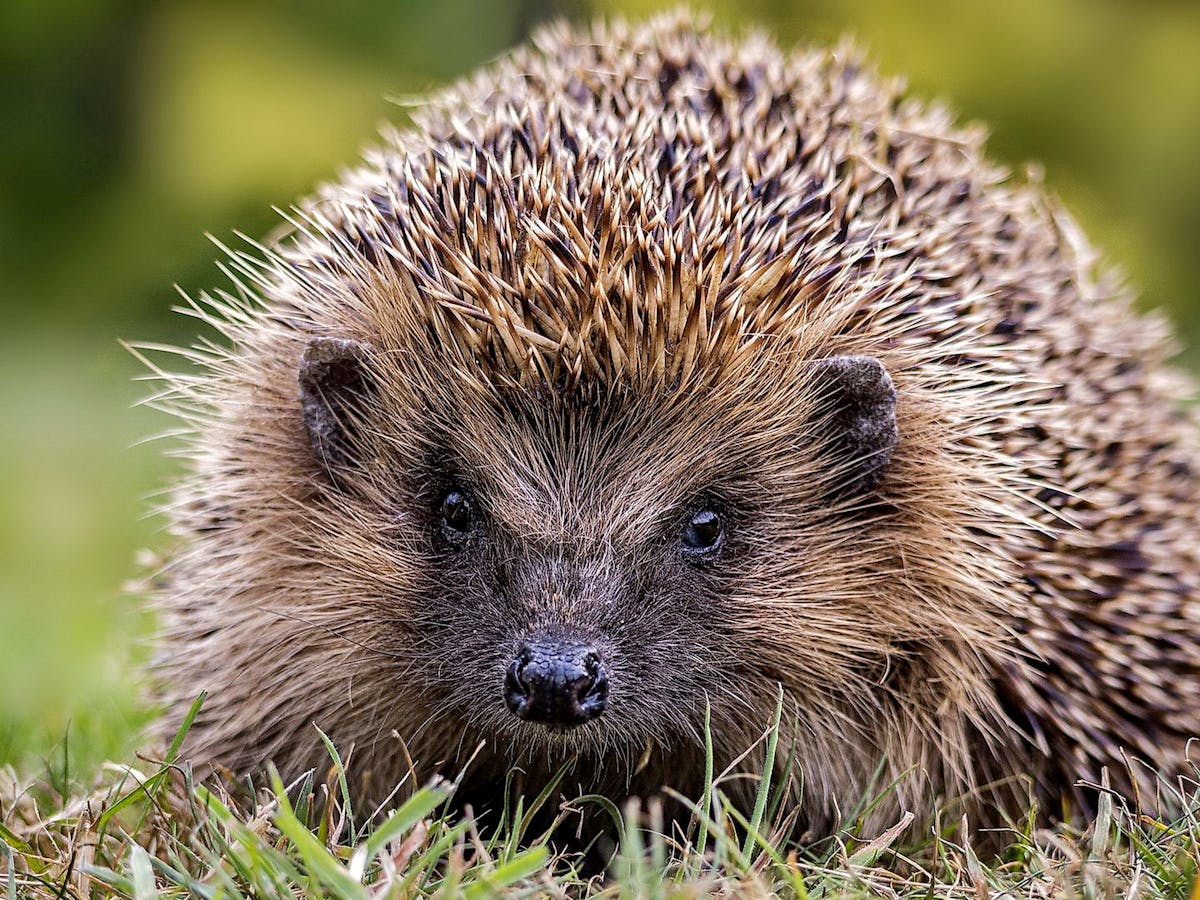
(129, 129)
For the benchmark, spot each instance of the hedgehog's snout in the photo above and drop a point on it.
(559, 682)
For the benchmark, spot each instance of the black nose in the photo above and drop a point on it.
(558, 683)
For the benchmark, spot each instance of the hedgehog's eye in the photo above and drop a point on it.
(457, 513)
(703, 532)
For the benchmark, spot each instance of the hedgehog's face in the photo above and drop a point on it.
(552, 619)
(558, 674)
(581, 571)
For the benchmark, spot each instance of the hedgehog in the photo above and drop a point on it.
(652, 381)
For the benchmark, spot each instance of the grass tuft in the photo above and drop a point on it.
(161, 834)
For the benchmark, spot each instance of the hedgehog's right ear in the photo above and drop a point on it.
(858, 403)
(335, 387)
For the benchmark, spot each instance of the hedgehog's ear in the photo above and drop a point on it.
(858, 403)
(335, 386)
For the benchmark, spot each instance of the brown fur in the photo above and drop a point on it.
(592, 280)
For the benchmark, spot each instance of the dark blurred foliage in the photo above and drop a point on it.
(130, 128)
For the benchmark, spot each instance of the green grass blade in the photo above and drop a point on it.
(422, 866)
(142, 875)
(177, 742)
(11, 880)
(113, 879)
(343, 784)
(149, 787)
(183, 880)
(764, 786)
(417, 807)
(520, 867)
(540, 800)
(318, 861)
(706, 800)
(13, 842)
(756, 838)
(605, 804)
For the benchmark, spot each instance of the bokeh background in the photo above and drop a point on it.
(129, 128)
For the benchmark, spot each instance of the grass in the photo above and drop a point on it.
(154, 831)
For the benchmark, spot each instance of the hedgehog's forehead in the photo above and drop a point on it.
(609, 464)
(595, 263)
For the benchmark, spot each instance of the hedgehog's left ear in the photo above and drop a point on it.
(858, 401)
(335, 386)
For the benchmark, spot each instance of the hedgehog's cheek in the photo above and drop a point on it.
(556, 679)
